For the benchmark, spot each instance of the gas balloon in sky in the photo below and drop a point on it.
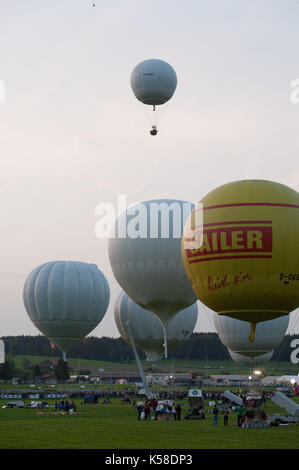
(153, 82)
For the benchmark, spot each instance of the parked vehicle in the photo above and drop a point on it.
(38, 404)
(14, 404)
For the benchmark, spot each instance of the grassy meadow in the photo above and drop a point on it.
(115, 426)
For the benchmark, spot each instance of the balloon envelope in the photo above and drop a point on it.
(245, 258)
(241, 359)
(147, 329)
(66, 300)
(153, 81)
(233, 334)
(147, 263)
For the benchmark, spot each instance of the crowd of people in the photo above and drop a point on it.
(251, 406)
(153, 409)
(168, 404)
(66, 406)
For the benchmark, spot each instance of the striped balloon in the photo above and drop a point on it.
(66, 300)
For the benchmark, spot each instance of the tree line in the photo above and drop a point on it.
(201, 346)
(30, 373)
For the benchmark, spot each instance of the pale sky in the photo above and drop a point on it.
(73, 135)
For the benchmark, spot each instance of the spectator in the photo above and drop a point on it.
(225, 413)
(139, 411)
(240, 410)
(173, 412)
(178, 410)
(147, 412)
(215, 415)
(67, 406)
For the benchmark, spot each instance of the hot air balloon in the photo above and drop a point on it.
(147, 329)
(147, 262)
(243, 262)
(66, 300)
(153, 82)
(253, 361)
(234, 334)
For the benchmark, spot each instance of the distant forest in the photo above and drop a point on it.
(202, 346)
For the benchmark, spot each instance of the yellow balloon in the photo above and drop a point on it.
(243, 261)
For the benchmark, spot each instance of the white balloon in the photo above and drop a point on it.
(241, 359)
(233, 334)
(150, 270)
(153, 81)
(147, 329)
(66, 300)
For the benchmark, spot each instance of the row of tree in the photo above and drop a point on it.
(201, 346)
(31, 373)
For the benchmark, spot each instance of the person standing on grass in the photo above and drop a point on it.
(215, 415)
(240, 410)
(225, 413)
(147, 411)
(178, 411)
(139, 411)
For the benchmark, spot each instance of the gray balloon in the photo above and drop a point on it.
(66, 300)
(147, 329)
(233, 334)
(145, 256)
(153, 81)
(241, 359)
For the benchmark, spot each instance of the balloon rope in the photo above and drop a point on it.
(165, 342)
(139, 365)
(154, 117)
(251, 366)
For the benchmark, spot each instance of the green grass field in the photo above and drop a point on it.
(115, 427)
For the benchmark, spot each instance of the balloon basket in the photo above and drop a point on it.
(255, 423)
